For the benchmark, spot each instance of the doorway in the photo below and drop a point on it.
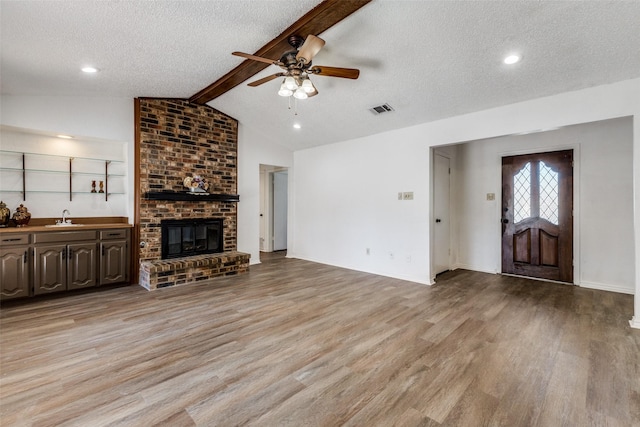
(274, 195)
(441, 211)
(537, 215)
(280, 180)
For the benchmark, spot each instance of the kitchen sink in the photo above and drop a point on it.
(64, 225)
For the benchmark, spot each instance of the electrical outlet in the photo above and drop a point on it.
(368, 251)
(391, 256)
(400, 196)
(491, 196)
(407, 195)
(408, 259)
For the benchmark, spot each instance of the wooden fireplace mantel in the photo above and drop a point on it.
(190, 197)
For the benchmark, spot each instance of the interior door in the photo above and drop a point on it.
(280, 207)
(442, 240)
(537, 215)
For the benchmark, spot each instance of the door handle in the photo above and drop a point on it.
(438, 220)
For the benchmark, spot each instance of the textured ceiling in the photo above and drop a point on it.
(428, 59)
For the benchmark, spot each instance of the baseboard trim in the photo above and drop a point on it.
(635, 322)
(473, 268)
(378, 273)
(606, 287)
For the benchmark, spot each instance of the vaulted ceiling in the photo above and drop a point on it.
(428, 59)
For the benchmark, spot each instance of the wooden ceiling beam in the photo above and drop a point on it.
(319, 19)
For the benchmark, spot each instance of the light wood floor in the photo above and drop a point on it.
(293, 343)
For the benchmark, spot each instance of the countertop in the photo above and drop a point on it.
(40, 228)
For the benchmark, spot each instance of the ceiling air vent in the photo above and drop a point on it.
(384, 108)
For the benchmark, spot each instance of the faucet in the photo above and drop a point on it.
(64, 216)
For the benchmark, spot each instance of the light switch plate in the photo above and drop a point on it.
(407, 195)
(491, 196)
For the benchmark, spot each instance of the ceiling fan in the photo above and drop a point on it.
(297, 67)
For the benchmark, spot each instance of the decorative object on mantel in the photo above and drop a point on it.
(101, 187)
(196, 184)
(21, 216)
(5, 214)
(93, 186)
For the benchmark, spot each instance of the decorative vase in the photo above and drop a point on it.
(93, 187)
(101, 187)
(5, 214)
(21, 216)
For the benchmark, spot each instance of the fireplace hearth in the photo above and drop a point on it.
(188, 237)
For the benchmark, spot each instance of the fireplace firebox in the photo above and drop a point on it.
(187, 237)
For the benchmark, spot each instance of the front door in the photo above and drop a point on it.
(537, 215)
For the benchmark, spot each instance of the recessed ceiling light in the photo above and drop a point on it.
(296, 126)
(512, 59)
(64, 136)
(89, 70)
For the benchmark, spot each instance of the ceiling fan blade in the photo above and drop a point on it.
(265, 79)
(347, 73)
(309, 48)
(314, 93)
(256, 58)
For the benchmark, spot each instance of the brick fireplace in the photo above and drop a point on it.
(176, 139)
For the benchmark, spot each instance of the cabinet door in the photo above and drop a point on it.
(50, 269)
(14, 273)
(81, 265)
(113, 264)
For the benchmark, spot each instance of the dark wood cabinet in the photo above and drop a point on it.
(14, 272)
(50, 269)
(44, 262)
(114, 256)
(81, 265)
(64, 260)
(63, 267)
(114, 267)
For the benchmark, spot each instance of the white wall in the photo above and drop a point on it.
(254, 150)
(47, 193)
(110, 120)
(603, 204)
(346, 200)
(344, 193)
(105, 118)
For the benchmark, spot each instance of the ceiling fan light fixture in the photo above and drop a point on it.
(296, 66)
(300, 94)
(290, 83)
(307, 86)
(284, 91)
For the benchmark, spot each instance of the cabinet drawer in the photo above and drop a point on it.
(113, 234)
(11, 239)
(64, 236)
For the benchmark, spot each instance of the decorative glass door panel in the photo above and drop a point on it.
(549, 192)
(537, 215)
